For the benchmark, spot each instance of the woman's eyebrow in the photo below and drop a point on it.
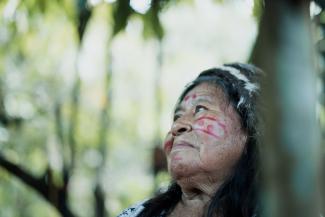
(203, 99)
(195, 101)
(178, 109)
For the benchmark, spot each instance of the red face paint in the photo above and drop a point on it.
(207, 131)
(210, 129)
(193, 96)
(168, 145)
(223, 126)
(210, 125)
(213, 119)
(200, 122)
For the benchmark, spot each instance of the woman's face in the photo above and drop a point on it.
(206, 138)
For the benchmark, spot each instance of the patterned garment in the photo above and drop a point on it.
(135, 210)
(132, 211)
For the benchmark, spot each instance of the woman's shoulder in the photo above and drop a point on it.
(134, 210)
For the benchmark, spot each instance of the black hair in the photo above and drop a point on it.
(237, 196)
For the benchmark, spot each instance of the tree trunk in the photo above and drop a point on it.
(290, 146)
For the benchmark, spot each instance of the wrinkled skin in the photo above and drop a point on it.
(205, 142)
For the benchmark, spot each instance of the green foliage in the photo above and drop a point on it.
(121, 13)
(37, 5)
(17, 200)
(152, 24)
(258, 9)
(83, 15)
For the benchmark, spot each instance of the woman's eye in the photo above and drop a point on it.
(176, 116)
(200, 108)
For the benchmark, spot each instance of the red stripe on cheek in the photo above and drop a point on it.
(168, 145)
(207, 132)
(200, 123)
(210, 128)
(212, 131)
(223, 126)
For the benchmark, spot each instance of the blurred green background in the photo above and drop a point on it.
(87, 90)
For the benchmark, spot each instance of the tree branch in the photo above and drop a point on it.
(44, 186)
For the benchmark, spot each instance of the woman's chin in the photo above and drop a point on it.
(179, 168)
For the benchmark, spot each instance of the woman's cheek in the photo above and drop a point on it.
(210, 126)
(168, 143)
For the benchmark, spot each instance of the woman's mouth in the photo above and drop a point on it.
(174, 145)
(182, 145)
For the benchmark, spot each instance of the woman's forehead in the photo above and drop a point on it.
(204, 88)
(204, 92)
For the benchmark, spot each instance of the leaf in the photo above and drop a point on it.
(152, 24)
(83, 16)
(121, 13)
(258, 8)
(69, 8)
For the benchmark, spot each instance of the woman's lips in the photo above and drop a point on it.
(173, 145)
(181, 145)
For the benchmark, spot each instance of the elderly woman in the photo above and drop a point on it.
(211, 149)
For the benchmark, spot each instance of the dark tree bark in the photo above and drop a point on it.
(56, 195)
(290, 146)
(100, 198)
(320, 22)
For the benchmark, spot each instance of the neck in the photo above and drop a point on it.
(195, 199)
(194, 191)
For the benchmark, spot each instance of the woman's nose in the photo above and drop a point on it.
(180, 127)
